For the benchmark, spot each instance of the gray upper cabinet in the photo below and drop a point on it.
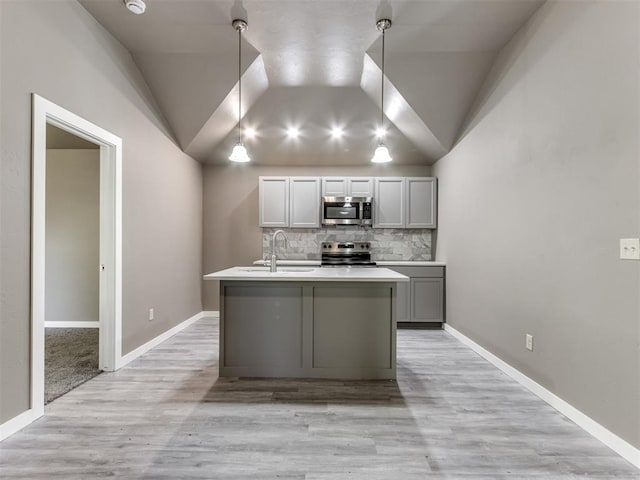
(304, 202)
(389, 202)
(421, 202)
(360, 186)
(398, 202)
(347, 186)
(405, 202)
(334, 186)
(273, 203)
(289, 202)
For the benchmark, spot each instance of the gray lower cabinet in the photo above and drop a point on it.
(427, 295)
(422, 299)
(308, 329)
(403, 302)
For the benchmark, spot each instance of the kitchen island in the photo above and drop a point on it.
(308, 322)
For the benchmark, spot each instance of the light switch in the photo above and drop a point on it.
(630, 248)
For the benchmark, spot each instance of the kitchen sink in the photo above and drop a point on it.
(280, 269)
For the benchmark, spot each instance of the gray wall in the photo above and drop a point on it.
(231, 232)
(72, 236)
(533, 200)
(56, 49)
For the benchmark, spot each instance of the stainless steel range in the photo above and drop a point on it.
(346, 254)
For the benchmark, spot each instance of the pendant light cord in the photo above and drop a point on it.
(240, 86)
(382, 91)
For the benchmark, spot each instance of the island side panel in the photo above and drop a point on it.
(354, 330)
(351, 327)
(261, 329)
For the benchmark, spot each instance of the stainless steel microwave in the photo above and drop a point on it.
(347, 210)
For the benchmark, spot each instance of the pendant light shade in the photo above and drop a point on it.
(239, 153)
(381, 154)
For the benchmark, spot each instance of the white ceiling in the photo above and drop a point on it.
(314, 60)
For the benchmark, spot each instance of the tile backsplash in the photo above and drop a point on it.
(386, 244)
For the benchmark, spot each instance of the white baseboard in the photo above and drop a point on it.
(211, 313)
(142, 349)
(610, 439)
(17, 423)
(72, 324)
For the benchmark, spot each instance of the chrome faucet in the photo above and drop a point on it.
(274, 259)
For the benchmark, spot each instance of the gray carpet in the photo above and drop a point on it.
(71, 358)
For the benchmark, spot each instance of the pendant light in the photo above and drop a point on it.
(239, 153)
(381, 154)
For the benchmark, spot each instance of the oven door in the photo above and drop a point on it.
(336, 211)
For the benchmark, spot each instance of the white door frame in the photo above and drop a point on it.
(110, 309)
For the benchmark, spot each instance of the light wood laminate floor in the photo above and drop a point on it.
(451, 415)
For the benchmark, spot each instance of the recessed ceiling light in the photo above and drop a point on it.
(337, 132)
(249, 132)
(136, 6)
(293, 132)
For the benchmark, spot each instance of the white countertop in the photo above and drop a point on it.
(410, 263)
(309, 274)
(384, 263)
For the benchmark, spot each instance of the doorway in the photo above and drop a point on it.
(72, 241)
(49, 116)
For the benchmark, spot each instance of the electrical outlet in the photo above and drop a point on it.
(528, 342)
(630, 248)
(150, 314)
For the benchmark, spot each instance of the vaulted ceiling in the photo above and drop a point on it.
(314, 65)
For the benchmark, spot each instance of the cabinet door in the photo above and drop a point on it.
(420, 202)
(304, 202)
(389, 202)
(403, 304)
(334, 186)
(360, 186)
(273, 201)
(427, 296)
